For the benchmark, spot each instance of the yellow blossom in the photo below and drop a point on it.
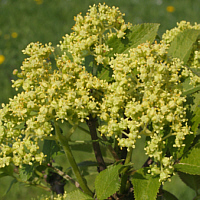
(14, 35)
(2, 58)
(170, 9)
(39, 1)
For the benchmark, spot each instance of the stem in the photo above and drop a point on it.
(128, 160)
(71, 131)
(71, 159)
(93, 132)
(124, 177)
(66, 177)
(32, 184)
(170, 134)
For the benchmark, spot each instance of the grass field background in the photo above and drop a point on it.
(25, 21)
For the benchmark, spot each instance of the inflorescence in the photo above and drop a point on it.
(144, 96)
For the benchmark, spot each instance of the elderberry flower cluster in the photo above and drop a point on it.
(66, 94)
(194, 60)
(58, 197)
(91, 32)
(145, 98)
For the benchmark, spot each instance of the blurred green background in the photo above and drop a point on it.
(25, 21)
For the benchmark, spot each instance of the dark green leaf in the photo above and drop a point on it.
(87, 164)
(104, 73)
(3, 174)
(168, 196)
(49, 148)
(145, 185)
(77, 194)
(101, 71)
(182, 44)
(107, 182)
(89, 62)
(193, 181)
(7, 171)
(190, 163)
(138, 34)
(184, 150)
(25, 172)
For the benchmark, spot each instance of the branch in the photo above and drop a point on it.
(66, 177)
(97, 151)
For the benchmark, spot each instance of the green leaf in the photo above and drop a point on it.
(7, 171)
(145, 185)
(191, 90)
(10, 186)
(181, 46)
(104, 73)
(77, 194)
(107, 182)
(138, 34)
(190, 163)
(101, 71)
(49, 148)
(196, 120)
(193, 181)
(25, 172)
(168, 196)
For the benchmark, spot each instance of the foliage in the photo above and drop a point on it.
(120, 82)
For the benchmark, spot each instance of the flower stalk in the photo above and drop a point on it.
(71, 159)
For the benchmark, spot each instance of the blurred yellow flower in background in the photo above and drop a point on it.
(39, 1)
(14, 35)
(2, 58)
(170, 9)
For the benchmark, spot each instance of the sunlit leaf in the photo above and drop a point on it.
(145, 185)
(107, 182)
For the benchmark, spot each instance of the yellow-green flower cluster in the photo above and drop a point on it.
(194, 60)
(68, 93)
(20, 121)
(145, 98)
(58, 197)
(91, 32)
